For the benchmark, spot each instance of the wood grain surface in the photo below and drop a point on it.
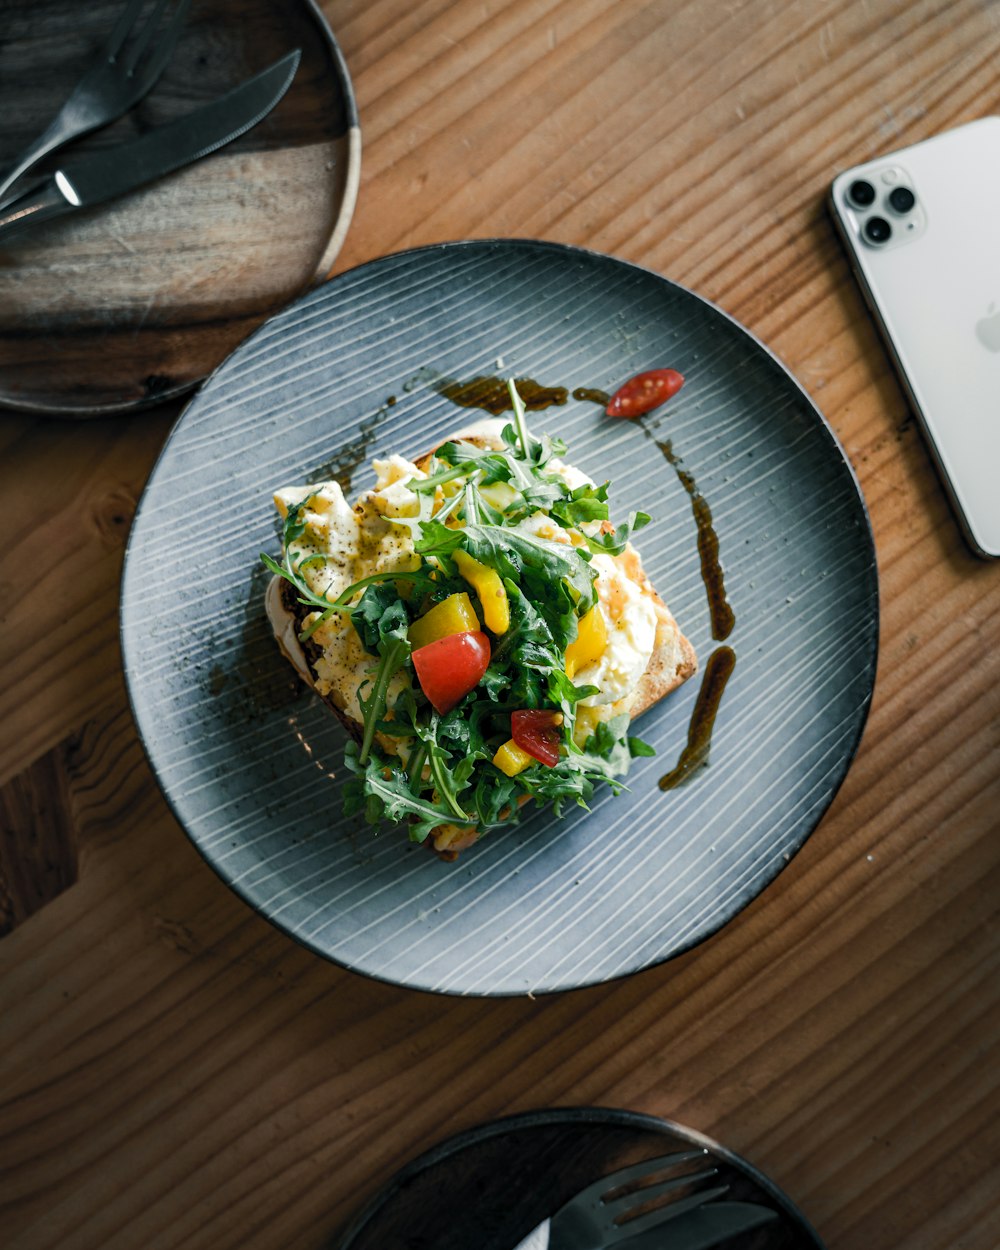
(175, 1073)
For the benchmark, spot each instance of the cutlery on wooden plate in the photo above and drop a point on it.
(115, 80)
(93, 178)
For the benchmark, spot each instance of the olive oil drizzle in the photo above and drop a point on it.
(718, 670)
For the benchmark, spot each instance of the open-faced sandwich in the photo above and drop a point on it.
(483, 631)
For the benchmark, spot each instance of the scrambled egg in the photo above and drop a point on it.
(355, 542)
(630, 614)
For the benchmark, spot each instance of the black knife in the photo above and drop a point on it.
(83, 181)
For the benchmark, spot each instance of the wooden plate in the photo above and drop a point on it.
(137, 301)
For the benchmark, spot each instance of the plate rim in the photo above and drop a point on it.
(869, 672)
(590, 1114)
(331, 249)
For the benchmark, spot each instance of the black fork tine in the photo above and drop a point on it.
(659, 1216)
(639, 1171)
(140, 43)
(616, 1208)
(164, 50)
(126, 21)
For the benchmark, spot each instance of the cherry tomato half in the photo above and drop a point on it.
(643, 392)
(449, 668)
(537, 733)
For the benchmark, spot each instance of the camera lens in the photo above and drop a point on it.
(902, 199)
(877, 230)
(862, 193)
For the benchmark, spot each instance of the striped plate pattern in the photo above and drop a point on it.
(252, 764)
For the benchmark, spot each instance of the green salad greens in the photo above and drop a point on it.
(428, 764)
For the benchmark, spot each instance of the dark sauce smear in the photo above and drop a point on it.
(722, 615)
(590, 396)
(722, 661)
(491, 394)
(718, 670)
(348, 459)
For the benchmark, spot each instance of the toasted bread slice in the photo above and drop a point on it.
(672, 662)
(286, 615)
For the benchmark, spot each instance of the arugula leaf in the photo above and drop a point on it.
(415, 768)
(377, 613)
(529, 642)
(614, 544)
(438, 758)
(429, 484)
(382, 791)
(606, 753)
(537, 451)
(514, 554)
(465, 457)
(562, 689)
(438, 539)
(294, 526)
(306, 593)
(584, 503)
(495, 681)
(462, 730)
(556, 785)
(481, 508)
(525, 442)
(394, 650)
(495, 799)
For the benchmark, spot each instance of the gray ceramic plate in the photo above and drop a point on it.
(251, 764)
(489, 1187)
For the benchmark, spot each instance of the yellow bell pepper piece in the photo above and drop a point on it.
(587, 720)
(454, 615)
(588, 646)
(500, 494)
(510, 759)
(488, 586)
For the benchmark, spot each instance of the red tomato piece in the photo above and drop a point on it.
(449, 668)
(537, 733)
(643, 392)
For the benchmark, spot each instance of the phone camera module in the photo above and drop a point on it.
(861, 193)
(877, 230)
(901, 199)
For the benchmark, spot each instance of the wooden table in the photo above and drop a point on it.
(176, 1072)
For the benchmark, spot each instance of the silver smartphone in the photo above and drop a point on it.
(922, 230)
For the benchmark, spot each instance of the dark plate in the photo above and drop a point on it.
(491, 1186)
(252, 764)
(138, 300)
